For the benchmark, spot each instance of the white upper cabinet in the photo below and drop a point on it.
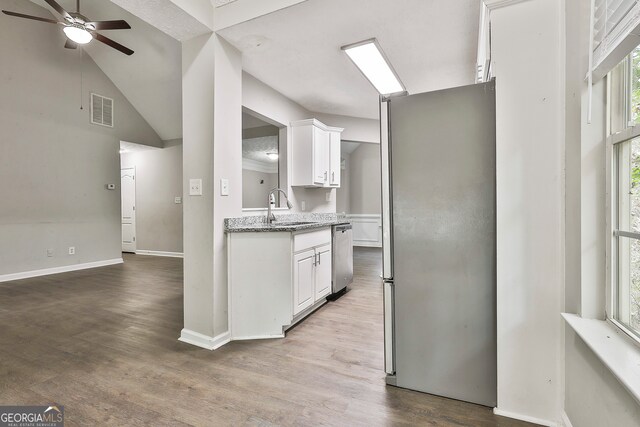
(315, 154)
(334, 157)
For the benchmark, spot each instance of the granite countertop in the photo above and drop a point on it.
(286, 222)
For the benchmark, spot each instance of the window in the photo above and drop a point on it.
(626, 292)
(624, 96)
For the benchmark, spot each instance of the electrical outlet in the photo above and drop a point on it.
(72, 250)
(303, 205)
(177, 200)
(49, 253)
(328, 196)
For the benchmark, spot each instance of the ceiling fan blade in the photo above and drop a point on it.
(59, 9)
(35, 18)
(70, 44)
(112, 43)
(110, 25)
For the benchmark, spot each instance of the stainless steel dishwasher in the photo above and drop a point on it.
(342, 257)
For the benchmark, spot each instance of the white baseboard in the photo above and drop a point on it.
(526, 418)
(566, 422)
(160, 253)
(258, 337)
(204, 341)
(58, 270)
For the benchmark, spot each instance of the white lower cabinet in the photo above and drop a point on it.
(304, 269)
(323, 272)
(289, 276)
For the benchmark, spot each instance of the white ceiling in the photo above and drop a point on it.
(432, 45)
(151, 79)
(257, 149)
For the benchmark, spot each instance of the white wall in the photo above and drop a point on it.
(355, 128)
(593, 396)
(365, 180)
(158, 183)
(528, 66)
(255, 186)
(198, 71)
(227, 164)
(343, 194)
(267, 102)
(54, 164)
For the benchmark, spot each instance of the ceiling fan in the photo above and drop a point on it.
(79, 29)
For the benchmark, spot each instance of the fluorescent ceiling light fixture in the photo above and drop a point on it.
(77, 34)
(272, 156)
(371, 61)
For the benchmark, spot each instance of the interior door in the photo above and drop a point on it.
(323, 273)
(128, 195)
(444, 240)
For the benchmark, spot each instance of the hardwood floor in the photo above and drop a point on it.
(103, 343)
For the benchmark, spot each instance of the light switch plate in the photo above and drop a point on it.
(224, 187)
(195, 187)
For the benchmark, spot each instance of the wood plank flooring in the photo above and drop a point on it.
(103, 343)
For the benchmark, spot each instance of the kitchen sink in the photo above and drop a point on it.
(291, 223)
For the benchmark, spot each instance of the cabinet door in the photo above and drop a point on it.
(323, 272)
(320, 156)
(334, 159)
(303, 279)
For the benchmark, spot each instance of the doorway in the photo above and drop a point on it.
(128, 194)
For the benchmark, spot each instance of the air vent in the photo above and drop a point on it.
(101, 110)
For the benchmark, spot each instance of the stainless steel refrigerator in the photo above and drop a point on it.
(438, 153)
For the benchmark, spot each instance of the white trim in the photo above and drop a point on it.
(497, 4)
(566, 422)
(58, 270)
(160, 253)
(526, 418)
(617, 351)
(371, 220)
(258, 337)
(200, 340)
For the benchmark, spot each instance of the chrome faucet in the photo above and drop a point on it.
(270, 216)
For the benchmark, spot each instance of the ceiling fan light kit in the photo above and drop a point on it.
(78, 28)
(77, 33)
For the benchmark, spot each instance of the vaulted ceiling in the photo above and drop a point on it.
(151, 79)
(431, 44)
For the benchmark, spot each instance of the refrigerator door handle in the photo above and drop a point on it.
(387, 190)
(389, 329)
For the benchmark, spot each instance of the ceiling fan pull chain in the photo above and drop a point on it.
(81, 71)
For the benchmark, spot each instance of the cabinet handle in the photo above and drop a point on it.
(319, 258)
(333, 177)
(325, 175)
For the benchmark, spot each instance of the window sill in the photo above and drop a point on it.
(613, 347)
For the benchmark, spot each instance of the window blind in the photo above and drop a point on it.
(616, 30)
